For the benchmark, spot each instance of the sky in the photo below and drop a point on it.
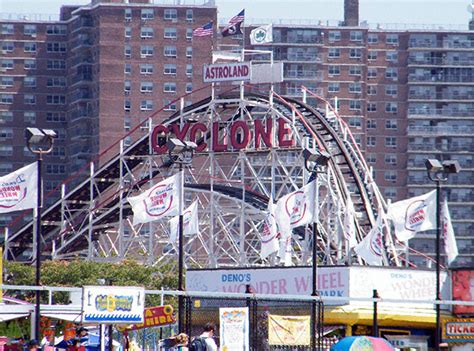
(442, 12)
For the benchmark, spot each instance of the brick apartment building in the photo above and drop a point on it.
(407, 94)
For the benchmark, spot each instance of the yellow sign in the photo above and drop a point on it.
(289, 330)
(458, 330)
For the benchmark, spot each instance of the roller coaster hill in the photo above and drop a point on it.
(250, 142)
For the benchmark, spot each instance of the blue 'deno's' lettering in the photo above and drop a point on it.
(236, 278)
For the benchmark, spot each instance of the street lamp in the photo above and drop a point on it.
(438, 172)
(39, 141)
(314, 161)
(180, 152)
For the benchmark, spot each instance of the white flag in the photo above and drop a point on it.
(296, 208)
(413, 215)
(371, 247)
(450, 246)
(19, 189)
(190, 222)
(349, 225)
(261, 35)
(270, 232)
(161, 200)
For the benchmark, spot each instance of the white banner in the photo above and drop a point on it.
(262, 35)
(234, 328)
(19, 189)
(161, 200)
(297, 208)
(413, 215)
(450, 246)
(112, 304)
(370, 248)
(270, 232)
(349, 224)
(190, 222)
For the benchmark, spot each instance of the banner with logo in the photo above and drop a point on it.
(234, 328)
(190, 222)
(261, 35)
(161, 200)
(289, 330)
(270, 232)
(413, 215)
(370, 248)
(450, 246)
(297, 208)
(153, 317)
(19, 189)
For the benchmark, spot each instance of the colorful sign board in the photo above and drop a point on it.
(289, 330)
(463, 289)
(224, 72)
(458, 330)
(154, 317)
(112, 304)
(234, 328)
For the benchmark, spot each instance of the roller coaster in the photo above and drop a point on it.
(93, 220)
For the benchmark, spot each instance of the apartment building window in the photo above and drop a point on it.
(189, 33)
(391, 56)
(147, 14)
(391, 142)
(57, 117)
(8, 46)
(391, 107)
(189, 87)
(6, 150)
(6, 98)
(29, 99)
(6, 133)
(127, 68)
(391, 73)
(146, 50)
(56, 82)
(334, 70)
(189, 51)
(390, 176)
(334, 53)
(127, 123)
(171, 33)
(56, 64)
(29, 47)
(371, 124)
(372, 38)
(371, 141)
(59, 151)
(354, 105)
(392, 39)
(56, 47)
(7, 64)
(171, 14)
(189, 70)
(29, 116)
(128, 32)
(55, 168)
(6, 116)
(169, 87)
(7, 29)
(333, 87)
(391, 159)
(128, 14)
(189, 15)
(391, 124)
(5, 168)
(356, 35)
(7, 81)
(355, 70)
(355, 122)
(56, 29)
(170, 51)
(371, 158)
(127, 86)
(29, 82)
(146, 33)
(146, 68)
(371, 72)
(169, 105)
(29, 29)
(371, 107)
(56, 99)
(355, 53)
(372, 55)
(391, 90)
(371, 90)
(146, 105)
(170, 69)
(355, 87)
(146, 87)
(29, 64)
(127, 51)
(390, 193)
(334, 35)
(127, 105)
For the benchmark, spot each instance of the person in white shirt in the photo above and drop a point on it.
(208, 336)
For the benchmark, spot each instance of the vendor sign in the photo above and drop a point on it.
(289, 330)
(113, 304)
(458, 330)
(222, 72)
(234, 328)
(154, 317)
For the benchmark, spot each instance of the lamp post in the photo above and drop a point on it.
(438, 172)
(39, 141)
(181, 152)
(314, 161)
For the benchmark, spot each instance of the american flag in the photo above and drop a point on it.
(203, 31)
(238, 18)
